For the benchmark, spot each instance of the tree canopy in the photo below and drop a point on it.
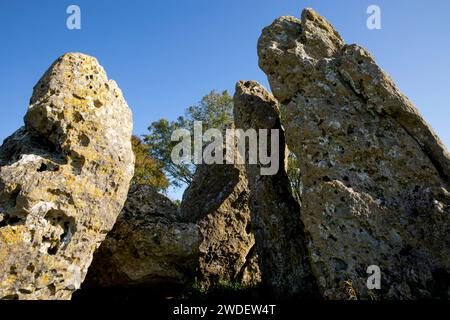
(147, 170)
(214, 110)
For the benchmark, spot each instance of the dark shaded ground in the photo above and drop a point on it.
(167, 293)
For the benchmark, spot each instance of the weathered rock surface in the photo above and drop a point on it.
(217, 200)
(275, 214)
(375, 175)
(64, 178)
(148, 247)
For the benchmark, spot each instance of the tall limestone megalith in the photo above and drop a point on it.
(375, 175)
(64, 178)
(275, 215)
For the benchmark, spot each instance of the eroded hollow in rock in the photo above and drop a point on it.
(14, 216)
(61, 230)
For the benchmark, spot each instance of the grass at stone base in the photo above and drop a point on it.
(225, 289)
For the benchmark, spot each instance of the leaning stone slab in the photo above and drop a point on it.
(375, 175)
(280, 236)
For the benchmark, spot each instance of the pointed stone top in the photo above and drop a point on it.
(290, 45)
(255, 107)
(314, 22)
(74, 95)
(71, 70)
(254, 89)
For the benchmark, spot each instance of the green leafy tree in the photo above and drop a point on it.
(147, 170)
(215, 110)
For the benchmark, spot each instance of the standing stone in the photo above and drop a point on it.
(147, 248)
(375, 175)
(64, 178)
(217, 200)
(275, 214)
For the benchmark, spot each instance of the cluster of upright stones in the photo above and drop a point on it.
(375, 186)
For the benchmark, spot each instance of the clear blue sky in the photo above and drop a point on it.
(166, 54)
